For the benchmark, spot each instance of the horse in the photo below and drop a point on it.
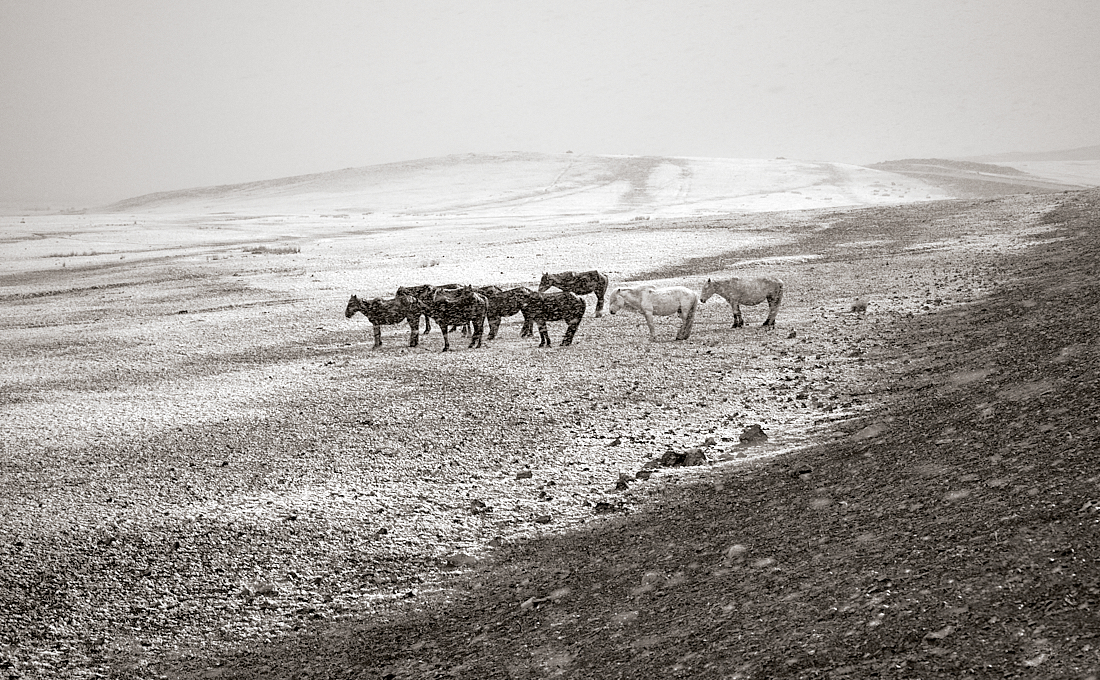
(456, 306)
(423, 293)
(581, 283)
(752, 291)
(542, 307)
(504, 303)
(383, 312)
(653, 301)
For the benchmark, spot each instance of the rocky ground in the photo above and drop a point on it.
(245, 491)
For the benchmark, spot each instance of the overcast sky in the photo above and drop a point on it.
(106, 100)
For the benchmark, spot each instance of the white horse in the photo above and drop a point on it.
(653, 301)
(738, 291)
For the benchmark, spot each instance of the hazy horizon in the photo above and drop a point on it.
(114, 100)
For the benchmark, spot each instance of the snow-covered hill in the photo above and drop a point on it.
(518, 185)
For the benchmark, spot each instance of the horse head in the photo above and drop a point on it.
(615, 301)
(353, 306)
(708, 289)
(546, 282)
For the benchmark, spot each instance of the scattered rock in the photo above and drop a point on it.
(859, 305)
(803, 473)
(524, 474)
(604, 507)
(696, 456)
(686, 458)
(872, 430)
(753, 434)
(478, 507)
(461, 560)
(735, 552)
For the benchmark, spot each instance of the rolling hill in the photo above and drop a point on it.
(519, 185)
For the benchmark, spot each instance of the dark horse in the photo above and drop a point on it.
(456, 306)
(504, 303)
(423, 294)
(381, 312)
(542, 307)
(581, 283)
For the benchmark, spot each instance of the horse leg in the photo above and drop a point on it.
(494, 324)
(682, 333)
(475, 334)
(377, 336)
(738, 320)
(599, 305)
(773, 308)
(414, 331)
(528, 327)
(652, 326)
(544, 335)
(427, 324)
(446, 341)
(571, 331)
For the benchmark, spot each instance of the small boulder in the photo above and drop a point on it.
(753, 434)
(603, 507)
(696, 456)
(687, 457)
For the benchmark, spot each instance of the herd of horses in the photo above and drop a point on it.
(470, 307)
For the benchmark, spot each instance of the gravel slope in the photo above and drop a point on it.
(246, 490)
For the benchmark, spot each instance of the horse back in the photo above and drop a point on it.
(458, 306)
(668, 301)
(750, 291)
(507, 302)
(554, 306)
(384, 312)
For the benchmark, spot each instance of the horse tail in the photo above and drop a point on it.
(779, 293)
(602, 282)
(601, 290)
(689, 319)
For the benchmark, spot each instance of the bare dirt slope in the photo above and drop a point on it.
(210, 475)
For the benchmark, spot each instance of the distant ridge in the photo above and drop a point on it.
(525, 185)
(972, 179)
(522, 185)
(1084, 153)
